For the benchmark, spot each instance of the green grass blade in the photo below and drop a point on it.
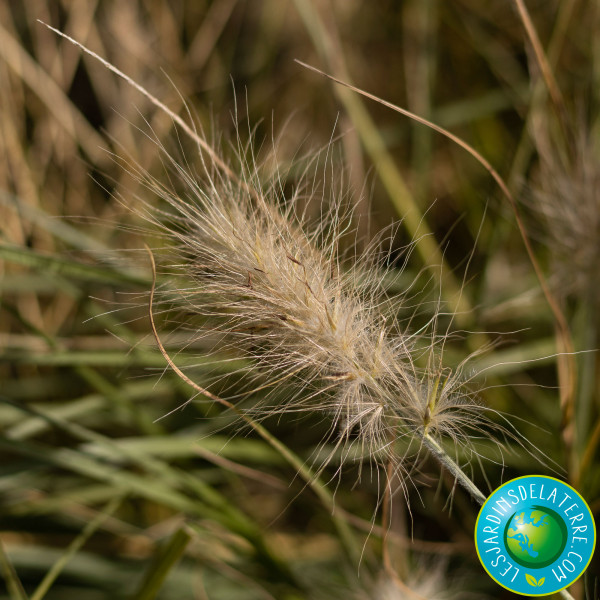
(68, 268)
(164, 561)
(74, 547)
(13, 583)
(400, 195)
(163, 486)
(57, 227)
(125, 482)
(78, 408)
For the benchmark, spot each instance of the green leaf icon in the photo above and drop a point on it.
(531, 580)
(541, 581)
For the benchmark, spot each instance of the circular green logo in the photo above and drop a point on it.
(535, 536)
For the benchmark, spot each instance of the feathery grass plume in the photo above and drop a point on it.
(285, 297)
(427, 581)
(568, 198)
(256, 271)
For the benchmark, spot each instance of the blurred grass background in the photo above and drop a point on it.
(101, 498)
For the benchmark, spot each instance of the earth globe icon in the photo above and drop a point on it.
(535, 536)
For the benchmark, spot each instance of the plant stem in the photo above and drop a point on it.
(441, 456)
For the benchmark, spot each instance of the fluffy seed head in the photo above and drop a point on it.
(568, 199)
(427, 581)
(276, 286)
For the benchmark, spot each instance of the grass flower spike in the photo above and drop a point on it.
(568, 198)
(277, 287)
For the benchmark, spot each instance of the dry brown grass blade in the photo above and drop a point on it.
(566, 360)
(566, 368)
(202, 143)
(551, 84)
(239, 469)
(423, 121)
(205, 40)
(163, 351)
(52, 96)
